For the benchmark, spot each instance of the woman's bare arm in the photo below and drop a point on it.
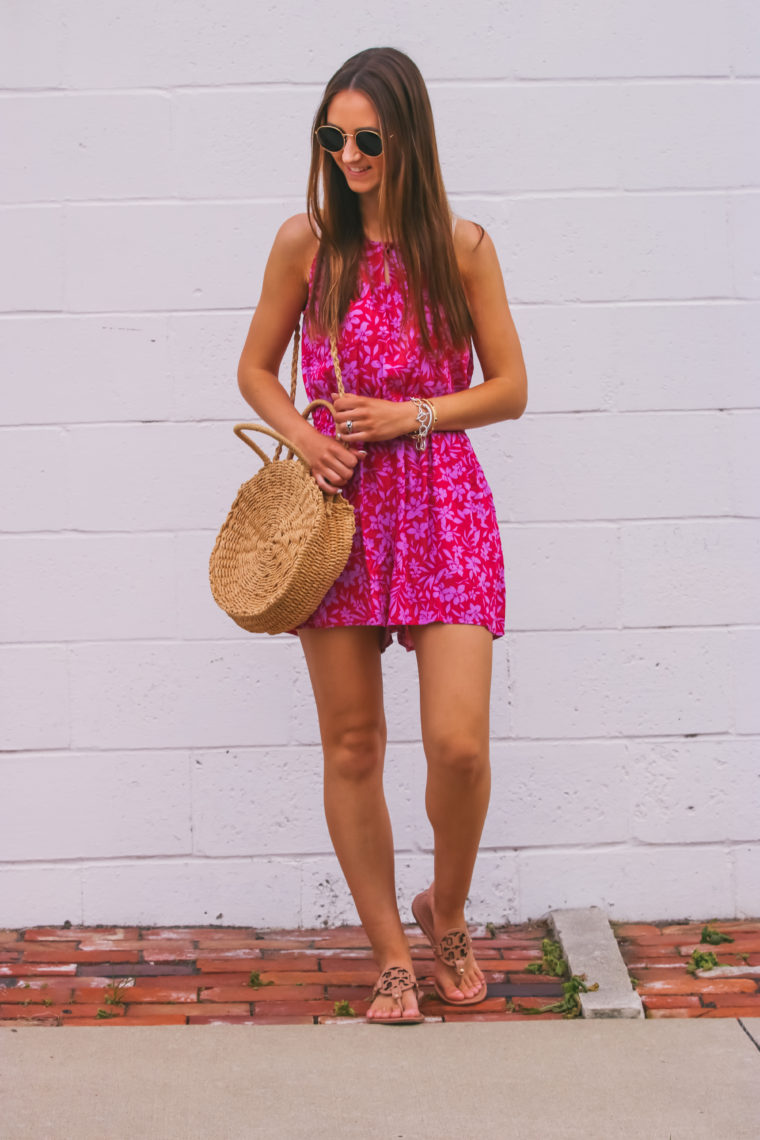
(283, 296)
(504, 393)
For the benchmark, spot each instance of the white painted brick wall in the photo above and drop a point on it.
(159, 764)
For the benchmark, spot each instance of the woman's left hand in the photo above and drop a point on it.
(363, 419)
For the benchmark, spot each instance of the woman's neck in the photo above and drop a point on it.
(370, 215)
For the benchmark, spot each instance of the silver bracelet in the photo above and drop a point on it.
(426, 418)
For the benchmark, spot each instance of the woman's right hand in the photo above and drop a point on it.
(332, 463)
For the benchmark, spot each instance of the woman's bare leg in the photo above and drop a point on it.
(346, 676)
(455, 684)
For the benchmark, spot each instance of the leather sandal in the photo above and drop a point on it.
(452, 948)
(393, 982)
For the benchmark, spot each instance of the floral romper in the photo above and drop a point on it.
(427, 545)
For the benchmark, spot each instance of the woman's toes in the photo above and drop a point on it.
(473, 982)
(468, 987)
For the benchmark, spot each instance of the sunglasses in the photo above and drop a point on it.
(334, 139)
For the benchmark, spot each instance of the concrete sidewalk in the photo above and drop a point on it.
(568, 1080)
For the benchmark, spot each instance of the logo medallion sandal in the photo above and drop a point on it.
(393, 982)
(452, 948)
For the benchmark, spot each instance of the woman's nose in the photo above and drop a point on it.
(351, 151)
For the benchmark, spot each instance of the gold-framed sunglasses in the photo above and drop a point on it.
(331, 138)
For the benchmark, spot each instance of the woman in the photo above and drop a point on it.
(379, 262)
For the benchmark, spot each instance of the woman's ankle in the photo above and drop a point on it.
(446, 917)
(397, 958)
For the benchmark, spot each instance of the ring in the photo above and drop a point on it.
(349, 426)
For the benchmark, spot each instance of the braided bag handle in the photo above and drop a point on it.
(294, 383)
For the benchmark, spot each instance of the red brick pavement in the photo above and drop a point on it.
(202, 975)
(657, 956)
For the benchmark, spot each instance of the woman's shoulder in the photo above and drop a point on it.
(467, 235)
(471, 244)
(296, 242)
(298, 230)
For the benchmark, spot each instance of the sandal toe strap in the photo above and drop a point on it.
(453, 948)
(394, 981)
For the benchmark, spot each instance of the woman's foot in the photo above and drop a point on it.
(453, 986)
(386, 1007)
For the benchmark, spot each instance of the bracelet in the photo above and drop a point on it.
(427, 418)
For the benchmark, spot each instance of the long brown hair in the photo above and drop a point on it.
(414, 209)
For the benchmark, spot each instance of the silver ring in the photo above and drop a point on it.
(349, 426)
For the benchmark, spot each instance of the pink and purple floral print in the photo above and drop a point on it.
(427, 545)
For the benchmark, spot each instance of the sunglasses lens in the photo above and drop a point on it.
(330, 138)
(369, 143)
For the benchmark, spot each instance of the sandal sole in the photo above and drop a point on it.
(397, 1021)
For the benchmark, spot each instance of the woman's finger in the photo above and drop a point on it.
(334, 482)
(344, 452)
(356, 437)
(334, 467)
(325, 485)
(337, 471)
(341, 403)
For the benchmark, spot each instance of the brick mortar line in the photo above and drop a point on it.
(727, 300)
(629, 844)
(729, 78)
(502, 194)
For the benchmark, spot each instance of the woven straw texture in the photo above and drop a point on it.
(284, 541)
(280, 549)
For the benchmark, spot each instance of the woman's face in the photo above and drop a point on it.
(350, 111)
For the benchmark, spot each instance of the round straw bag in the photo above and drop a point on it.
(284, 541)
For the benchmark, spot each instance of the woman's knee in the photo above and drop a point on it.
(356, 751)
(458, 754)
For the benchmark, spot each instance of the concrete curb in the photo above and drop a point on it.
(590, 947)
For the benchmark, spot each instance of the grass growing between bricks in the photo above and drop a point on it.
(343, 1009)
(255, 981)
(706, 959)
(115, 997)
(555, 965)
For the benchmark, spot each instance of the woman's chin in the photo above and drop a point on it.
(367, 180)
